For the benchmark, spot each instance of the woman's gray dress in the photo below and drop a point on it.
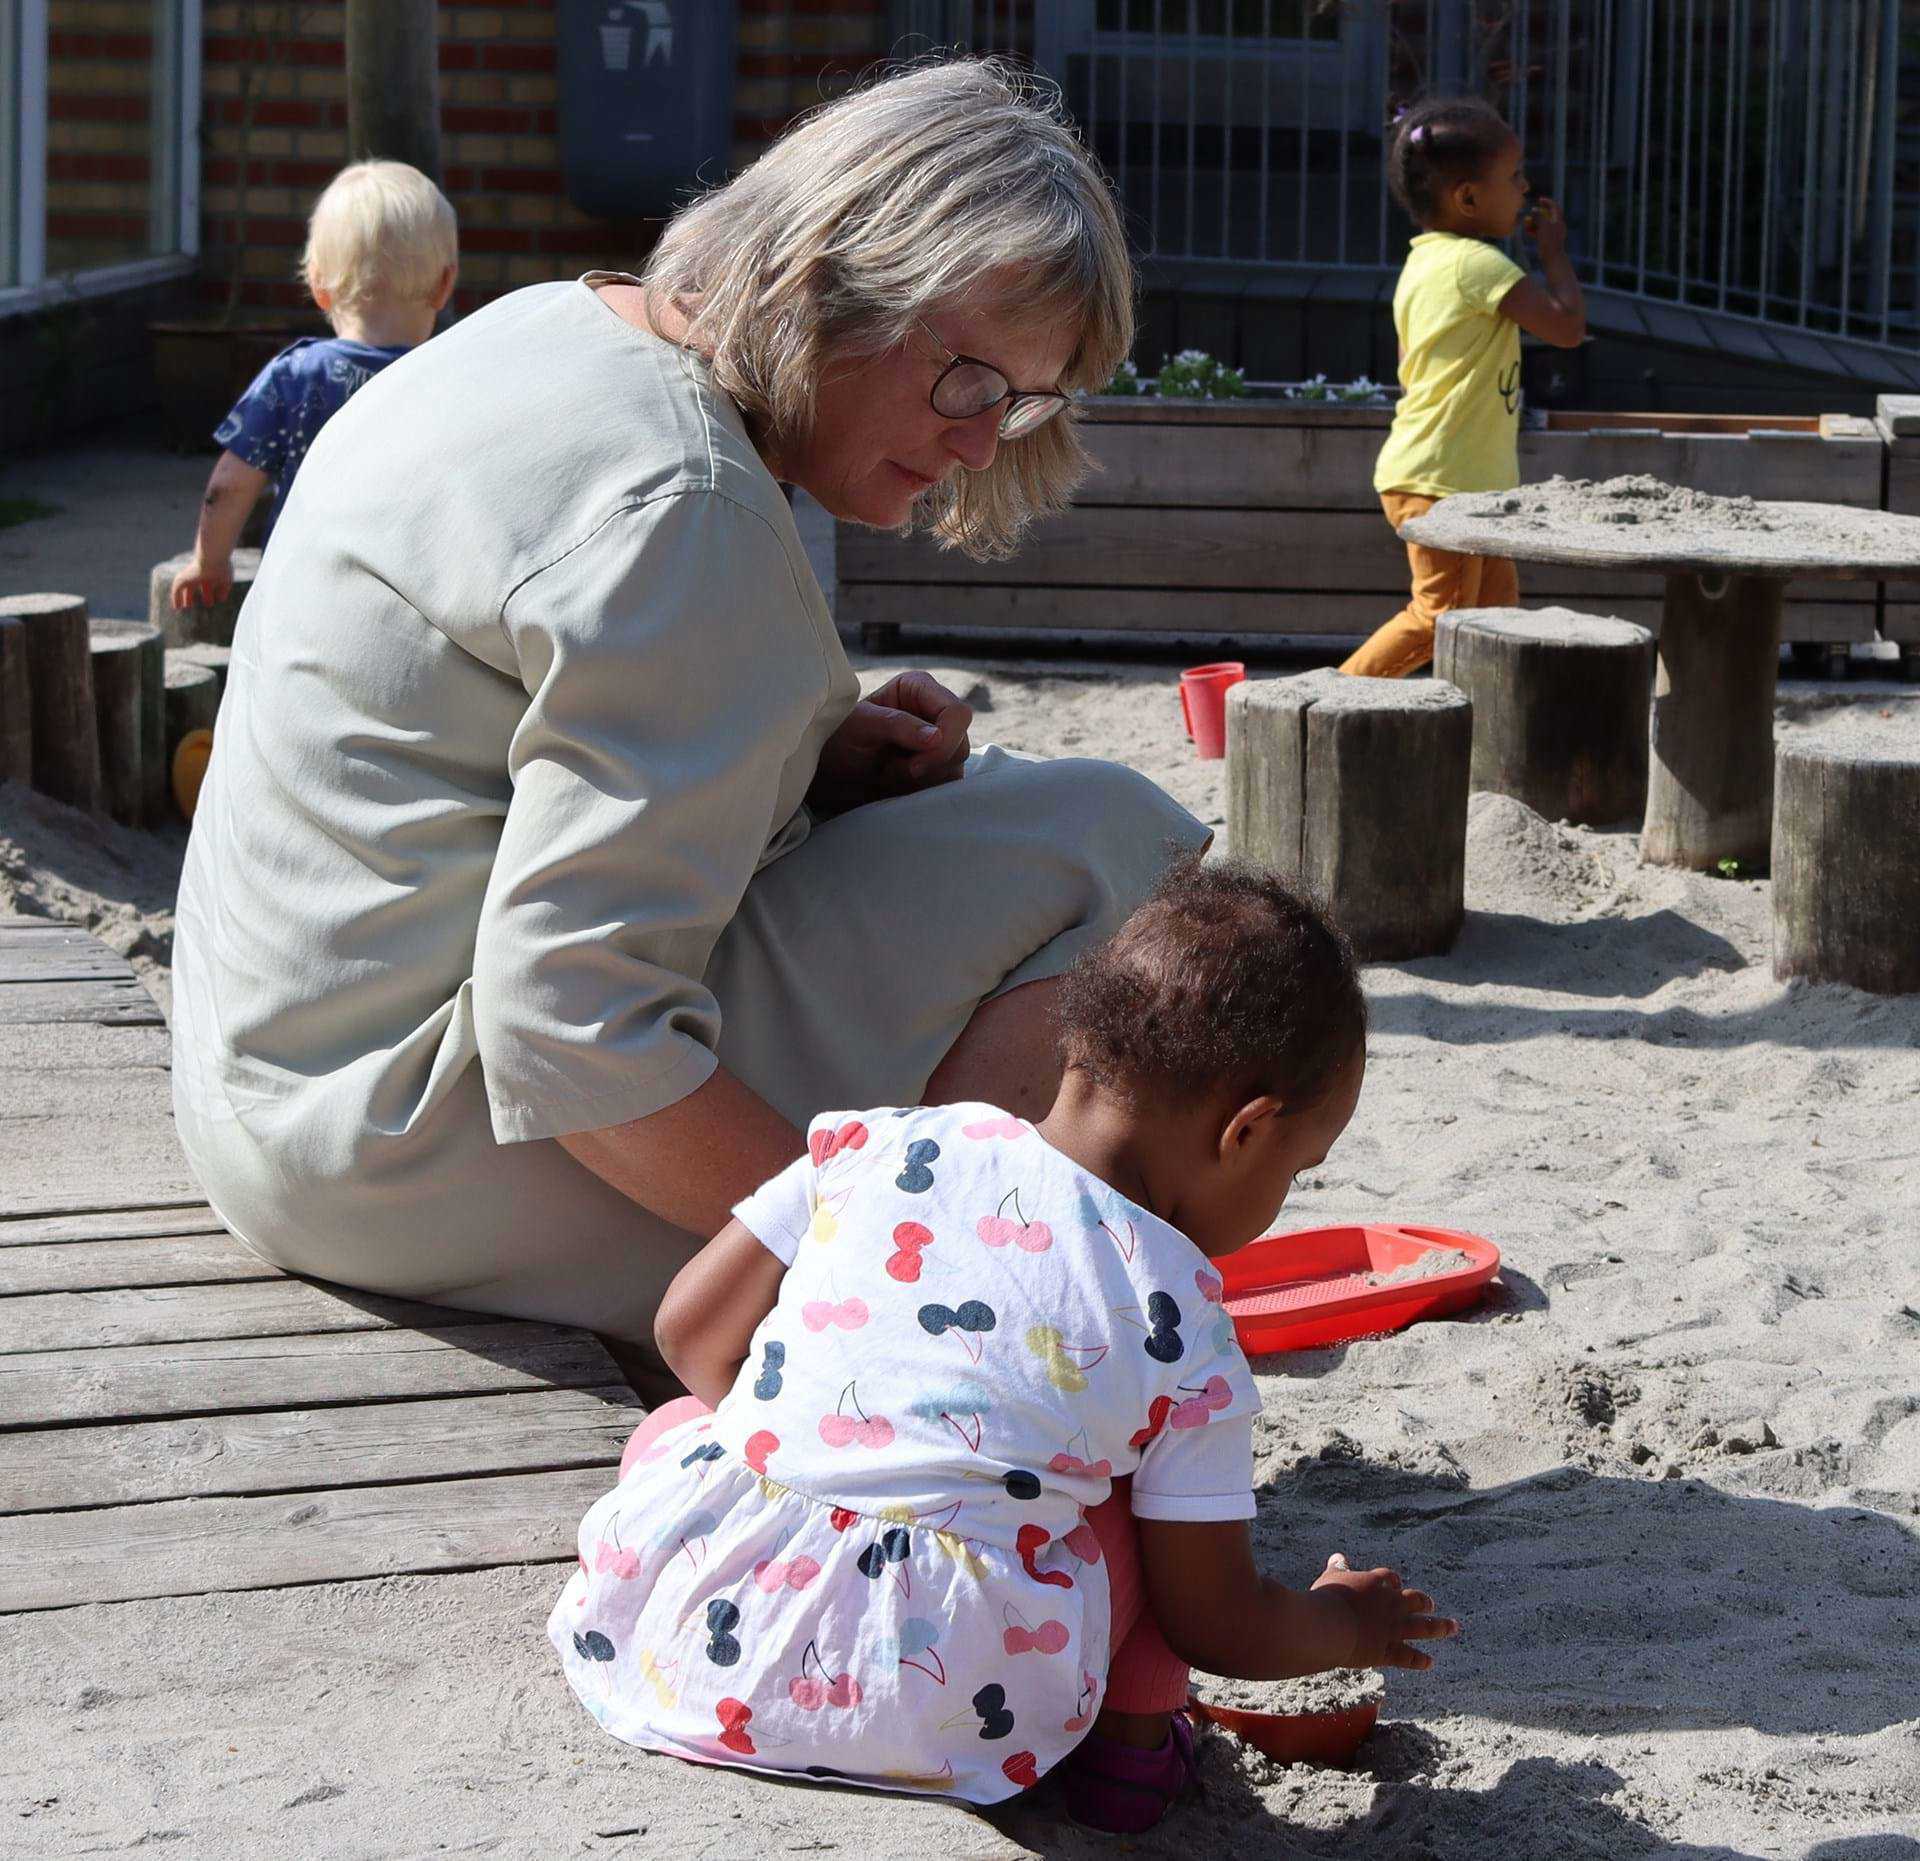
(503, 835)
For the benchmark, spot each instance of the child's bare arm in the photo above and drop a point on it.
(1219, 1613)
(1551, 308)
(232, 491)
(707, 1320)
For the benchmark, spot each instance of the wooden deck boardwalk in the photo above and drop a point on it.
(177, 1417)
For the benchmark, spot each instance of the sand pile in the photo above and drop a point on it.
(1344, 1687)
(1432, 1263)
(1516, 861)
(1667, 1473)
(59, 863)
(1637, 498)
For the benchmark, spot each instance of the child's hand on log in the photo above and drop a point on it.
(202, 584)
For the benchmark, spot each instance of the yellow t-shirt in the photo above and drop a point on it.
(1457, 427)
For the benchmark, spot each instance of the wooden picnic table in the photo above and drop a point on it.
(1710, 776)
(177, 1417)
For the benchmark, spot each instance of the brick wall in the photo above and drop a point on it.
(101, 125)
(500, 155)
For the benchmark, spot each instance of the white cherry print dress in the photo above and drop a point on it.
(872, 1561)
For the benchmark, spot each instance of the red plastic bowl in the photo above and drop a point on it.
(1292, 1292)
(1296, 1737)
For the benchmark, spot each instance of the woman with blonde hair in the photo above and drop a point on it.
(550, 875)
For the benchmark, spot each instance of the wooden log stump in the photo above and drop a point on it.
(129, 708)
(16, 705)
(1846, 885)
(199, 626)
(193, 699)
(1710, 768)
(215, 658)
(1559, 707)
(1356, 788)
(66, 743)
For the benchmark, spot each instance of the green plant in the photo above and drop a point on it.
(1193, 375)
(1728, 869)
(1126, 380)
(1361, 391)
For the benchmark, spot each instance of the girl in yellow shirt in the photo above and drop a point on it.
(1456, 166)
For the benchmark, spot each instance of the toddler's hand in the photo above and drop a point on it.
(1387, 1619)
(1547, 228)
(201, 584)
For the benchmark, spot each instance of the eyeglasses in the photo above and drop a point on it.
(967, 387)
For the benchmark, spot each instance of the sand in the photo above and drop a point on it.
(1431, 1263)
(1668, 1473)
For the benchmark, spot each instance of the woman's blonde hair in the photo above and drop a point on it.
(380, 230)
(933, 187)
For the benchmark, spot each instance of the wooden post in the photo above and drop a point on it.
(66, 745)
(1710, 777)
(1846, 885)
(199, 626)
(16, 705)
(216, 659)
(130, 714)
(193, 700)
(1559, 707)
(393, 82)
(1356, 788)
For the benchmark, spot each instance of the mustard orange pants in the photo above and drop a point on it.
(1441, 580)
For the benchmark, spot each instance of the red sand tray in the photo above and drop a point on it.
(1292, 1292)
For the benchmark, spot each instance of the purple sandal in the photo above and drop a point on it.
(1122, 1790)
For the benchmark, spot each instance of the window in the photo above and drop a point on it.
(99, 101)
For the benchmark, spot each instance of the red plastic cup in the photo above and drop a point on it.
(1203, 703)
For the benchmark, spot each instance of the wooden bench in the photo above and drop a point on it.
(176, 1416)
(1229, 520)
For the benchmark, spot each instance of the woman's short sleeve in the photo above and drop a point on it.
(673, 673)
(1485, 275)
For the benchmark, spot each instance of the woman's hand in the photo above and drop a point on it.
(909, 735)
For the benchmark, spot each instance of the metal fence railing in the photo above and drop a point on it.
(1758, 158)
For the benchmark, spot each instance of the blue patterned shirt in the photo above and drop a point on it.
(291, 399)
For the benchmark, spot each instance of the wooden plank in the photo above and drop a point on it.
(1207, 612)
(1278, 467)
(1799, 467)
(193, 1547)
(284, 1450)
(86, 1120)
(1255, 410)
(101, 1266)
(123, 1224)
(1334, 552)
(106, 1002)
(1294, 467)
(148, 1381)
(63, 1321)
(37, 956)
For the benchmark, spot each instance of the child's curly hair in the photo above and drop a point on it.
(1225, 979)
(1437, 144)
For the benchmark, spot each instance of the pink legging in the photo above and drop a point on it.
(1144, 1674)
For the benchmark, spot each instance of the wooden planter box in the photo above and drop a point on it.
(1241, 518)
(1899, 425)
